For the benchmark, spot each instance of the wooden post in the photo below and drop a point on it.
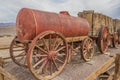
(7, 75)
(117, 67)
(4, 73)
(1, 65)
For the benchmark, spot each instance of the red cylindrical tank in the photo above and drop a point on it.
(31, 22)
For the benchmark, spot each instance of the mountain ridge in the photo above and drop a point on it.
(6, 24)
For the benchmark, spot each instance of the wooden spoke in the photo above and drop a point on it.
(61, 54)
(90, 46)
(57, 45)
(21, 58)
(85, 51)
(43, 40)
(46, 67)
(40, 55)
(18, 45)
(54, 44)
(41, 49)
(20, 55)
(59, 60)
(60, 49)
(50, 68)
(55, 64)
(38, 71)
(19, 50)
(36, 64)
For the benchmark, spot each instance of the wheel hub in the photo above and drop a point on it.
(52, 55)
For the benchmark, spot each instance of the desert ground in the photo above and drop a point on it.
(6, 36)
(76, 70)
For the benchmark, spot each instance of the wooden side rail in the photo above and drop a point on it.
(1, 65)
(4, 73)
(101, 69)
(117, 68)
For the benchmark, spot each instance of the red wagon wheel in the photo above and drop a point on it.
(103, 40)
(18, 52)
(115, 39)
(47, 55)
(87, 49)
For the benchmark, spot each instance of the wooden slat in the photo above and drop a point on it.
(117, 67)
(100, 70)
(110, 77)
(74, 39)
(6, 74)
(4, 47)
(1, 65)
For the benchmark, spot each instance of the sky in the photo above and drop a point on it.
(10, 8)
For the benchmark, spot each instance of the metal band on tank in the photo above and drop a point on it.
(35, 22)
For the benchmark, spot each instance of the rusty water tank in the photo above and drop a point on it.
(32, 22)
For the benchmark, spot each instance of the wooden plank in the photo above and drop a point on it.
(6, 74)
(1, 65)
(110, 77)
(117, 67)
(101, 69)
(75, 39)
(4, 47)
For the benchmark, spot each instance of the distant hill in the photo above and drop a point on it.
(6, 24)
(7, 30)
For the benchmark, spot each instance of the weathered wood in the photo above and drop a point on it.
(100, 70)
(117, 67)
(112, 66)
(110, 77)
(75, 39)
(6, 74)
(1, 65)
(4, 47)
(116, 24)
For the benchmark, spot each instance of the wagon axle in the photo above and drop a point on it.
(52, 55)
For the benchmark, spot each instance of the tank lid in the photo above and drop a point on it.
(64, 12)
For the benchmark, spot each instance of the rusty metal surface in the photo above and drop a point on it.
(31, 22)
(64, 12)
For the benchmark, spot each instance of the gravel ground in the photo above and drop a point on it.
(76, 70)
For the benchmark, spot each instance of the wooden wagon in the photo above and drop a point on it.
(45, 41)
(98, 21)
